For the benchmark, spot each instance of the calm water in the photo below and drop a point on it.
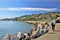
(13, 27)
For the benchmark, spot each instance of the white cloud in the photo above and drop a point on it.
(28, 9)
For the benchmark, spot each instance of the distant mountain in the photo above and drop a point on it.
(35, 17)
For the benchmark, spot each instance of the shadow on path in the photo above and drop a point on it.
(57, 30)
(54, 32)
(51, 33)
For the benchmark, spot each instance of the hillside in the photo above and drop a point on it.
(35, 17)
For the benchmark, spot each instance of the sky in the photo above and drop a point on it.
(16, 8)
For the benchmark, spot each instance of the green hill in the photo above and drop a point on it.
(35, 17)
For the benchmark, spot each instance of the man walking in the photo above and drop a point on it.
(53, 22)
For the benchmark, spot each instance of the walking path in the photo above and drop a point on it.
(51, 35)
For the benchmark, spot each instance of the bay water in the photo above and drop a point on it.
(10, 27)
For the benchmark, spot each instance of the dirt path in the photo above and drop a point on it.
(51, 35)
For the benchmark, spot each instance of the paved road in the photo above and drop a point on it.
(51, 35)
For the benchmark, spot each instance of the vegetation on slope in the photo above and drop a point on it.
(35, 17)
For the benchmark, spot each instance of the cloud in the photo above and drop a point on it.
(28, 9)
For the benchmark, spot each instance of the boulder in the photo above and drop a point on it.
(10, 37)
(58, 20)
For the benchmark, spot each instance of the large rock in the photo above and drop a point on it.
(19, 35)
(58, 20)
(10, 37)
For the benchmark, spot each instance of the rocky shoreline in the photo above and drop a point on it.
(19, 34)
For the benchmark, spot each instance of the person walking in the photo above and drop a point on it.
(53, 23)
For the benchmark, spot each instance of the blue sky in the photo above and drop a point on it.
(16, 8)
